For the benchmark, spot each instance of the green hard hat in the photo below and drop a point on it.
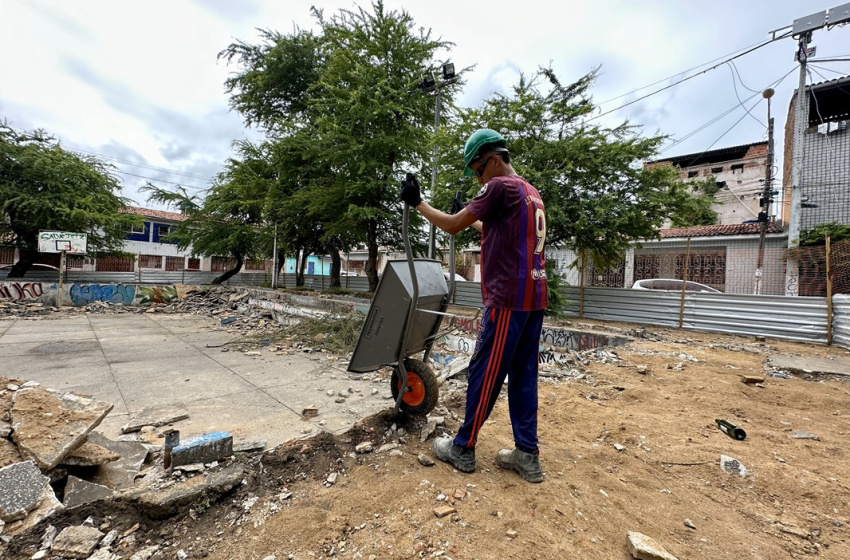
(477, 139)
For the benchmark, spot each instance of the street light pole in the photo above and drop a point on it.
(766, 200)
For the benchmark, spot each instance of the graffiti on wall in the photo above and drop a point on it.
(17, 291)
(157, 294)
(85, 294)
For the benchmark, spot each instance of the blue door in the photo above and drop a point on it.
(311, 267)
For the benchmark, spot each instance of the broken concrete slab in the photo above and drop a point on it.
(646, 548)
(9, 453)
(21, 486)
(76, 541)
(248, 446)
(155, 417)
(79, 492)
(47, 425)
(165, 501)
(119, 474)
(90, 455)
(835, 365)
(48, 505)
(733, 466)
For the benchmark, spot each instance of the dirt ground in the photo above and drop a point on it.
(795, 503)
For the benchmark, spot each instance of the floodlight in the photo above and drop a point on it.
(428, 82)
(448, 71)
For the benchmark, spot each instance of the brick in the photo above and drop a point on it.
(443, 511)
(203, 449)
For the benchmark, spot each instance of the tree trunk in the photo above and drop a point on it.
(226, 276)
(302, 266)
(281, 268)
(27, 258)
(336, 266)
(372, 260)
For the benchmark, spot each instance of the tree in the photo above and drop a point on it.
(45, 187)
(599, 197)
(228, 221)
(352, 90)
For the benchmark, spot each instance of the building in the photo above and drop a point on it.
(825, 165)
(739, 173)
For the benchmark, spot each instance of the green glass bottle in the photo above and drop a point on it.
(731, 429)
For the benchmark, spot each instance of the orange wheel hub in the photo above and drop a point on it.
(415, 394)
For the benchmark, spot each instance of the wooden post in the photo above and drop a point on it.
(581, 286)
(61, 278)
(684, 283)
(828, 294)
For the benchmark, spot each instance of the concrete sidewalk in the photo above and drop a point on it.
(135, 361)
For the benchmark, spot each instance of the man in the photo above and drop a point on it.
(511, 217)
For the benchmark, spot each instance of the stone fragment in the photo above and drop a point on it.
(443, 511)
(619, 447)
(39, 555)
(155, 417)
(166, 501)
(21, 485)
(48, 537)
(425, 460)
(90, 455)
(803, 435)
(387, 447)
(511, 534)
(151, 436)
(205, 448)
(643, 369)
(5, 429)
(733, 466)
(76, 541)
(646, 548)
(48, 505)
(365, 447)
(47, 426)
(427, 430)
(459, 494)
(9, 453)
(339, 400)
(146, 553)
(119, 474)
(331, 480)
(79, 492)
(689, 524)
(752, 379)
(109, 539)
(193, 468)
(309, 412)
(103, 553)
(248, 446)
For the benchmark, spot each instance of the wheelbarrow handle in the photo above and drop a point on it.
(414, 301)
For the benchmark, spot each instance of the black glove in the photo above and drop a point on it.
(457, 203)
(410, 190)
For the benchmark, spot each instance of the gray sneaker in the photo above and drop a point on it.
(462, 458)
(526, 464)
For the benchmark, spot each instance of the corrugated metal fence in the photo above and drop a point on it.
(841, 320)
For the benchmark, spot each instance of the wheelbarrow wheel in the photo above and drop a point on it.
(422, 392)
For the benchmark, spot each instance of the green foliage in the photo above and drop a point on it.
(229, 221)
(554, 285)
(45, 187)
(818, 234)
(692, 203)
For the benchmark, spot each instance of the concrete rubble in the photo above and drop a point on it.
(643, 547)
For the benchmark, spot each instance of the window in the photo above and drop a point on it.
(737, 167)
(7, 255)
(150, 261)
(137, 230)
(222, 264)
(720, 184)
(692, 174)
(115, 264)
(174, 263)
(193, 264)
(717, 169)
(255, 265)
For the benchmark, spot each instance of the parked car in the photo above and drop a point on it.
(672, 284)
(35, 267)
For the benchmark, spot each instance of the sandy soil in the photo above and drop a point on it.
(793, 504)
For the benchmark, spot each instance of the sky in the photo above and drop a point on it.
(139, 83)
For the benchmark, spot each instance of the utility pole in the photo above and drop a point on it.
(766, 198)
(428, 84)
(802, 29)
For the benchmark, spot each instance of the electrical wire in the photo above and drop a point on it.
(139, 164)
(674, 75)
(739, 77)
(161, 180)
(735, 87)
(720, 137)
(682, 80)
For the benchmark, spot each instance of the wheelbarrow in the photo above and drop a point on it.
(404, 319)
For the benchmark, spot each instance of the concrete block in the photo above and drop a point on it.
(21, 485)
(76, 542)
(79, 492)
(203, 449)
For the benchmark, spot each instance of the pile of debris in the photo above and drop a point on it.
(52, 460)
(9, 308)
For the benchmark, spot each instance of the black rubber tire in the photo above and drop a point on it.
(417, 373)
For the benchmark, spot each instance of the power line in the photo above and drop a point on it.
(735, 87)
(683, 80)
(740, 79)
(674, 75)
(161, 180)
(140, 164)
